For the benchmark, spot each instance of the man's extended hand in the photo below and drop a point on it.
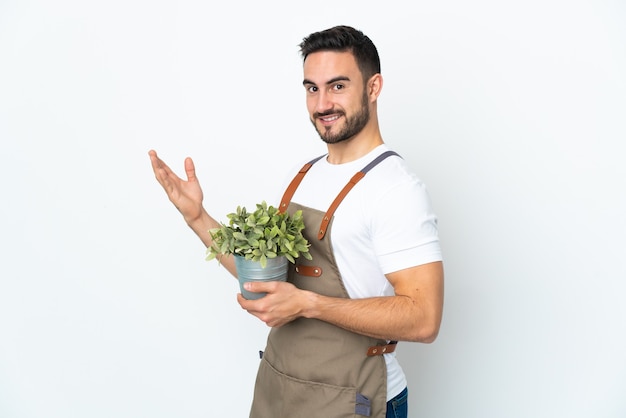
(187, 195)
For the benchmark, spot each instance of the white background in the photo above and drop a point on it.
(513, 113)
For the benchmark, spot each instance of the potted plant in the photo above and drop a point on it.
(262, 242)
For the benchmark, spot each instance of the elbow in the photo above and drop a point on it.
(426, 333)
(427, 328)
(430, 337)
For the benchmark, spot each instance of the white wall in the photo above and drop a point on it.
(512, 112)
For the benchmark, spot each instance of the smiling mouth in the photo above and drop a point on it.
(329, 119)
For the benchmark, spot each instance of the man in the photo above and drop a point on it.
(376, 276)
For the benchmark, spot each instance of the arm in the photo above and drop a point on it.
(187, 197)
(413, 314)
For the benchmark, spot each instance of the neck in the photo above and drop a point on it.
(355, 147)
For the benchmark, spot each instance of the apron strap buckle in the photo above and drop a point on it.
(379, 350)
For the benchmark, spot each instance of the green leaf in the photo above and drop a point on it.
(211, 256)
(264, 233)
(239, 236)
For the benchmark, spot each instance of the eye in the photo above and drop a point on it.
(338, 87)
(311, 89)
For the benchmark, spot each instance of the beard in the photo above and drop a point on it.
(353, 124)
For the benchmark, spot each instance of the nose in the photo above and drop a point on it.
(322, 102)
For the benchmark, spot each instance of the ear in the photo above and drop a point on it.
(374, 86)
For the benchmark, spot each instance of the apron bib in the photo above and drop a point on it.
(310, 368)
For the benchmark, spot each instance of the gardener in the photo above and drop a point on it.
(376, 276)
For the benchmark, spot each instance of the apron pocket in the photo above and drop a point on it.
(277, 395)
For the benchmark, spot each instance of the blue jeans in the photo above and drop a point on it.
(398, 406)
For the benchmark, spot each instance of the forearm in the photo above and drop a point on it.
(413, 314)
(392, 318)
(201, 226)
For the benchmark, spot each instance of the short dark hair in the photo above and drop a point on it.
(344, 39)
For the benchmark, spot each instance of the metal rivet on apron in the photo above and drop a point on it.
(321, 232)
(317, 271)
(297, 269)
(384, 349)
(375, 351)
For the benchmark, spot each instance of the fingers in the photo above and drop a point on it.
(162, 172)
(257, 308)
(154, 159)
(253, 305)
(261, 287)
(190, 169)
(276, 308)
(157, 163)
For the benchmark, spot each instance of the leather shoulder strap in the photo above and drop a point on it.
(342, 194)
(291, 189)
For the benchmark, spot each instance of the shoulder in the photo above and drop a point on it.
(393, 175)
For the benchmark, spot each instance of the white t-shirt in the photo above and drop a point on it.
(384, 224)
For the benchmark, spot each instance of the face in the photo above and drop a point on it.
(337, 100)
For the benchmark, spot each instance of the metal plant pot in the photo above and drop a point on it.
(249, 270)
